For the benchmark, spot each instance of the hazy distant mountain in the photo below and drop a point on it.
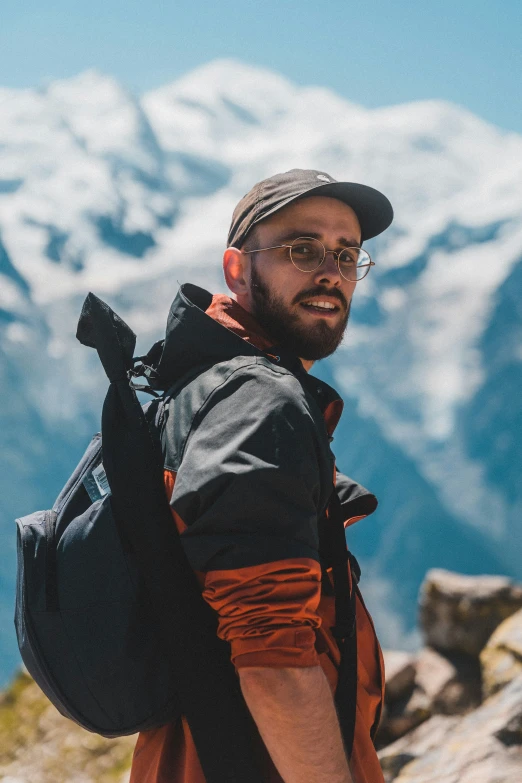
(103, 191)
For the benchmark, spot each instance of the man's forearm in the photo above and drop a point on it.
(295, 714)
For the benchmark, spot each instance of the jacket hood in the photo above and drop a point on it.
(194, 338)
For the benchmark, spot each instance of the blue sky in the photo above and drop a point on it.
(374, 52)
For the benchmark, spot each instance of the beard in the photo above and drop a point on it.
(309, 342)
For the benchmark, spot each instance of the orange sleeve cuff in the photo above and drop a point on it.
(284, 647)
(268, 613)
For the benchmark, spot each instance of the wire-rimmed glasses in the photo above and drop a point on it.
(307, 254)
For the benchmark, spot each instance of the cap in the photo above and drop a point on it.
(373, 210)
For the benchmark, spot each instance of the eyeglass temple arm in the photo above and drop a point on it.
(260, 249)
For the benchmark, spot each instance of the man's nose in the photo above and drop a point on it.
(329, 270)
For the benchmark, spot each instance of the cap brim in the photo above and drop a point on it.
(374, 211)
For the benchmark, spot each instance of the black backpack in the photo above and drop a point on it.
(109, 616)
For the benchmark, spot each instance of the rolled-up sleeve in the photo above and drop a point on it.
(268, 613)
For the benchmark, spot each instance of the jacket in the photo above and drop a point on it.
(248, 471)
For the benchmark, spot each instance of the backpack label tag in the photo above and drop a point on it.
(96, 483)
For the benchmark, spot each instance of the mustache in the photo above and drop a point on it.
(320, 291)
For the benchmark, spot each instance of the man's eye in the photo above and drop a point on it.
(302, 250)
(349, 257)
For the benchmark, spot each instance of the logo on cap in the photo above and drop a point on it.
(323, 177)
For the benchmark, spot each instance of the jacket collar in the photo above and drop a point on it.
(227, 312)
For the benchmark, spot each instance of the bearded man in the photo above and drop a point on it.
(249, 474)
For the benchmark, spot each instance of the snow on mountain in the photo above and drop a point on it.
(100, 190)
(87, 184)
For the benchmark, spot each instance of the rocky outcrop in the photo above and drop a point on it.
(459, 613)
(427, 684)
(484, 746)
(454, 711)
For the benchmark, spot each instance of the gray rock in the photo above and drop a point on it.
(434, 673)
(484, 746)
(459, 613)
(402, 715)
(450, 683)
(400, 673)
(424, 738)
(441, 684)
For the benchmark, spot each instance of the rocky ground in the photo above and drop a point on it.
(453, 712)
(38, 745)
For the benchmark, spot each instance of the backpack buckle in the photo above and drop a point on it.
(142, 371)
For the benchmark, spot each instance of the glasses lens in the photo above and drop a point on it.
(354, 263)
(306, 253)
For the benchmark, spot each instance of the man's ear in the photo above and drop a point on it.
(236, 268)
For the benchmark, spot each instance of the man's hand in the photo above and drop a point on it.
(295, 714)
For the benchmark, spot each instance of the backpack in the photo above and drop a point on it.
(109, 616)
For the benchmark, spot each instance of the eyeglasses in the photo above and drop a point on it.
(307, 254)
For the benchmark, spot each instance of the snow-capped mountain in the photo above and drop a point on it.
(101, 190)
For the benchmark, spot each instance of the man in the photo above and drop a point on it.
(249, 471)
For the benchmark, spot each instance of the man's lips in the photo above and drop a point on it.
(322, 305)
(321, 312)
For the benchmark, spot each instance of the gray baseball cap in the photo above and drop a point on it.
(373, 210)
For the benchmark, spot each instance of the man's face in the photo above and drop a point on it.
(282, 297)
